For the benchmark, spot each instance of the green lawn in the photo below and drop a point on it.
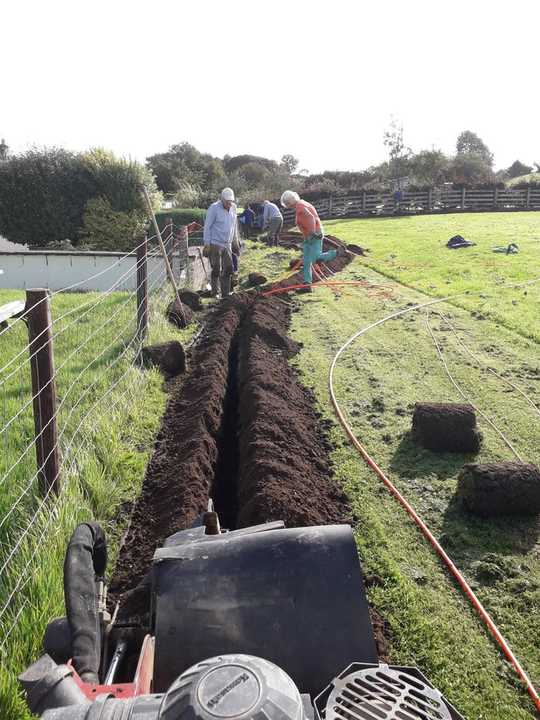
(109, 411)
(378, 380)
(412, 250)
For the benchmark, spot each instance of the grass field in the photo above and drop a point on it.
(378, 380)
(412, 251)
(109, 411)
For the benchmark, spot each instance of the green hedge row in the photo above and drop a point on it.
(180, 216)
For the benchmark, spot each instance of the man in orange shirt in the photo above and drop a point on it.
(309, 224)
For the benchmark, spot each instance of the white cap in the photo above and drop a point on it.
(227, 194)
(289, 198)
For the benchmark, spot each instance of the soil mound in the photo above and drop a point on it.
(446, 427)
(507, 488)
(182, 317)
(239, 427)
(285, 471)
(169, 357)
(256, 278)
(191, 299)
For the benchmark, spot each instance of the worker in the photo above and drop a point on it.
(272, 218)
(221, 240)
(247, 218)
(309, 224)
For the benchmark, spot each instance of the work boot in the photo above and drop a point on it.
(302, 290)
(225, 286)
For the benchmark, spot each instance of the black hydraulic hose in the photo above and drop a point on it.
(86, 558)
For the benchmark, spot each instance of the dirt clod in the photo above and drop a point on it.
(191, 299)
(169, 357)
(255, 279)
(507, 488)
(180, 316)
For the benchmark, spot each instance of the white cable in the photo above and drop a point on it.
(488, 368)
(464, 395)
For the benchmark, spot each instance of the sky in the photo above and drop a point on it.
(319, 80)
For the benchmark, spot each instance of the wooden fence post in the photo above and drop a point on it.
(330, 205)
(142, 289)
(495, 197)
(463, 196)
(528, 198)
(363, 201)
(430, 198)
(38, 317)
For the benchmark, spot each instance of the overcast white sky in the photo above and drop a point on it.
(316, 79)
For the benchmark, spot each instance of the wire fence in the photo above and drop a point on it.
(97, 340)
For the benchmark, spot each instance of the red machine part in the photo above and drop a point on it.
(142, 681)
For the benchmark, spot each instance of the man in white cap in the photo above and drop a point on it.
(220, 240)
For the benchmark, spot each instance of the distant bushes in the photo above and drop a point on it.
(180, 216)
(50, 195)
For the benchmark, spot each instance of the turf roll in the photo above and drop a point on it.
(446, 427)
(506, 488)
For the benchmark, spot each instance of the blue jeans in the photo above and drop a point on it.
(312, 253)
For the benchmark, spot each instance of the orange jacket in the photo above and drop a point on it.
(307, 220)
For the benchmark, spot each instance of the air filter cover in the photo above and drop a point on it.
(385, 693)
(232, 686)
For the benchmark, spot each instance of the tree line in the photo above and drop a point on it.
(56, 198)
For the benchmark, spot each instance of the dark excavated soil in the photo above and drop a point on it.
(284, 468)
(178, 478)
(239, 428)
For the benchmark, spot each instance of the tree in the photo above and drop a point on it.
(518, 168)
(183, 164)
(429, 167)
(44, 194)
(470, 168)
(399, 154)
(468, 143)
(290, 163)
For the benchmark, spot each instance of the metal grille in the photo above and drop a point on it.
(383, 693)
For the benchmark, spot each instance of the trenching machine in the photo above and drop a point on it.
(261, 623)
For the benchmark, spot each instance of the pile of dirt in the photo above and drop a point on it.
(180, 315)
(191, 299)
(239, 427)
(169, 357)
(256, 278)
(446, 427)
(507, 488)
(284, 468)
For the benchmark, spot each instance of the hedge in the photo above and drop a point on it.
(180, 216)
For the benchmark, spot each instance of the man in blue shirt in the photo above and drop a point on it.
(221, 240)
(247, 218)
(272, 218)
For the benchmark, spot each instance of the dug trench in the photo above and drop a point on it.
(241, 429)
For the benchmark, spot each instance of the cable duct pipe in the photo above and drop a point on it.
(86, 558)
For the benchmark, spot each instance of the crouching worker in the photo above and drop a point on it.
(220, 237)
(309, 224)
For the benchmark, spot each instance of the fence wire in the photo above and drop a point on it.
(97, 343)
